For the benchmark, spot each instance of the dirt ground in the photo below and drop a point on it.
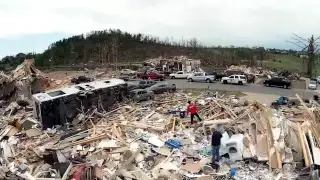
(301, 84)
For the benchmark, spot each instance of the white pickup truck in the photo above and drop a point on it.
(201, 76)
(180, 75)
(235, 79)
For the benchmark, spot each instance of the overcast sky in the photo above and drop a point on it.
(31, 25)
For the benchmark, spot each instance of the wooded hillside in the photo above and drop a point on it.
(114, 46)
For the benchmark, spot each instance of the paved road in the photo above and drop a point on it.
(254, 88)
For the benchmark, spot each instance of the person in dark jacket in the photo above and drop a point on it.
(192, 109)
(215, 144)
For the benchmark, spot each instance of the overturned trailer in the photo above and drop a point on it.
(60, 106)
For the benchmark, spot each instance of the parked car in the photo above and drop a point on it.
(218, 76)
(141, 95)
(81, 79)
(127, 72)
(146, 83)
(166, 73)
(201, 76)
(278, 81)
(162, 87)
(151, 75)
(125, 77)
(318, 79)
(313, 84)
(132, 86)
(180, 75)
(234, 79)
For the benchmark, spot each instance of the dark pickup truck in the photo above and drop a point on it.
(278, 81)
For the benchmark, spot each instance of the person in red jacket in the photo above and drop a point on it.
(192, 109)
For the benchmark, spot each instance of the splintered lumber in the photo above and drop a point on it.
(313, 119)
(304, 151)
(174, 123)
(89, 140)
(278, 157)
(269, 153)
(145, 126)
(305, 106)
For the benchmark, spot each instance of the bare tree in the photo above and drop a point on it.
(115, 51)
(261, 54)
(309, 47)
(193, 43)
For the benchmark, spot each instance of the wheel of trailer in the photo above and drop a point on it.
(190, 80)
(208, 80)
(225, 82)
(240, 82)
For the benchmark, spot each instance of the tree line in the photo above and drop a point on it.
(106, 47)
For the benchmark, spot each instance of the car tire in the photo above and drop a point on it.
(240, 83)
(208, 80)
(225, 82)
(285, 86)
(190, 80)
(170, 90)
(267, 84)
(172, 77)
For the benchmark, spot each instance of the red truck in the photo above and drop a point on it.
(151, 75)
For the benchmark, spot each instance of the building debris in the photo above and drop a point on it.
(155, 140)
(144, 141)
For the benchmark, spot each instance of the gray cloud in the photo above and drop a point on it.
(245, 22)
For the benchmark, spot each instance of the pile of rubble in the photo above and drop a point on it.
(7, 86)
(244, 69)
(172, 59)
(155, 140)
(26, 80)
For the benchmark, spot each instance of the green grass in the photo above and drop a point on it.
(287, 62)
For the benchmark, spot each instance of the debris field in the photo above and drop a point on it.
(155, 140)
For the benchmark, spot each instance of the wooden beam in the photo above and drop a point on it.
(304, 151)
